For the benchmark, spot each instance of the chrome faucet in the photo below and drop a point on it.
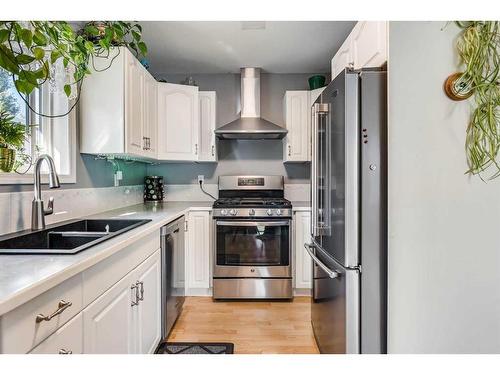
(37, 211)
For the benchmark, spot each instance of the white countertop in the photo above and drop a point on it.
(23, 277)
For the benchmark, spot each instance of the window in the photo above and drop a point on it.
(53, 136)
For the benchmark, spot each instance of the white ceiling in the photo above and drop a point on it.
(226, 46)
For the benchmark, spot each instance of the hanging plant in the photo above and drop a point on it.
(35, 52)
(479, 50)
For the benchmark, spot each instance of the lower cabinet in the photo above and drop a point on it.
(66, 340)
(198, 253)
(303, 263)
(126, 318)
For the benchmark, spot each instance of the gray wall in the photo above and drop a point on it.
(241, 157)
(444, 248)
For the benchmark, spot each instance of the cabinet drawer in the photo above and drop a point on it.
(20, 329)
(66, 340)
(99, 278)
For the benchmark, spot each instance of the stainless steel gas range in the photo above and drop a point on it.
(252, 239)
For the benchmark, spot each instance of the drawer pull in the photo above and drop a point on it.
(63, 305)
(135, 294)
(65, 351)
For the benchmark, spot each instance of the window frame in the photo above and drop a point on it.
(27, 178)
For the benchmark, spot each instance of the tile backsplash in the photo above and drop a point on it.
(68, 204)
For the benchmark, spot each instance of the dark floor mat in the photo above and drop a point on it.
(195, 348)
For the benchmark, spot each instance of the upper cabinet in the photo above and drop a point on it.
(208, 117)
(178, 122)
(297, 113)
(365, 47)
(118, 108)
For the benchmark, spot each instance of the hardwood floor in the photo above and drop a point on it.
(253, 327)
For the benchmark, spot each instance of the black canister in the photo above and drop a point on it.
(153, 189)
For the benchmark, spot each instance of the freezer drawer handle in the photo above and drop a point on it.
(331, 274)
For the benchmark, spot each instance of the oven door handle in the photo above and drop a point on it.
(253, 223)
(331, 274)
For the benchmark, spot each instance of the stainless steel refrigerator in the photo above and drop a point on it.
(349, 214)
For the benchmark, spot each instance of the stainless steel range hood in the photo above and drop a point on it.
(250, 125)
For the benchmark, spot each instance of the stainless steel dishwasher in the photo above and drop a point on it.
(172, 274)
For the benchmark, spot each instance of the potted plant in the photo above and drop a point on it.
(12, 137)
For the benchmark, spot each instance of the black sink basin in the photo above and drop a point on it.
(66, 238)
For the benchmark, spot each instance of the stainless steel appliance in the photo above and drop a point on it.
(349, 214)
(250, 125)
(172, 274)
(252, 239)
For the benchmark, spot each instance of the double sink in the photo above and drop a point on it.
(67, 238)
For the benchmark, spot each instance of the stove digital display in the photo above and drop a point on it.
(251, 181)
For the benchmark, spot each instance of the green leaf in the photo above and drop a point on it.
(67, 90)
(92, 30)
(23, 86)
(136, 35)
(24, 59)
(39, 39)
(39, 53)
(7, 60)
(143, 48)
(54, 55)
(4, 35)
(27, 37)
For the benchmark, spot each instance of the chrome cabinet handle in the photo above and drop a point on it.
(65, 351)
(331, 274)
(136, 295)
(63, 305)
(289, 150)
(196, 149)
(141, 283)
(213, 150)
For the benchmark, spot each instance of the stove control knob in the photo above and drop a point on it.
(251, 212)
(223, 212)
(269, 212)
(233, 212)
(278, 212)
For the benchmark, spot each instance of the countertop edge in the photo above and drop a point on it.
(33, 290)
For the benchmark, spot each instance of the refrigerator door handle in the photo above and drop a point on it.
(314, 172)
(331, 274)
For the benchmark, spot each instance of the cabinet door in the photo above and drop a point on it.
(178, 122)
(297, 121)
(198, 250)
(148, 311)
(208, 105)
(303, 263)
(369, 44)
(343, 58)
(150, 116)
(66, 340)
(134, 106)
(108, 322)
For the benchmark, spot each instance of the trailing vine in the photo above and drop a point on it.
(479, 50)
(33, 52)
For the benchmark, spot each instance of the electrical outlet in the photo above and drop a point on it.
(201, 178)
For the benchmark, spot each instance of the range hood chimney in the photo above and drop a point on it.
(250, 125)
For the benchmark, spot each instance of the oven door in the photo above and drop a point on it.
(252, 248)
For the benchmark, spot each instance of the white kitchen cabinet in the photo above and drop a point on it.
(150, 124)
(303, 263)
(198, 252)
(126, 318)
(208, 115)
(298, 123)
(365, 47)
(115, 108)
(178, 122)
(108, 323)
(66, 340)
(149, 309)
